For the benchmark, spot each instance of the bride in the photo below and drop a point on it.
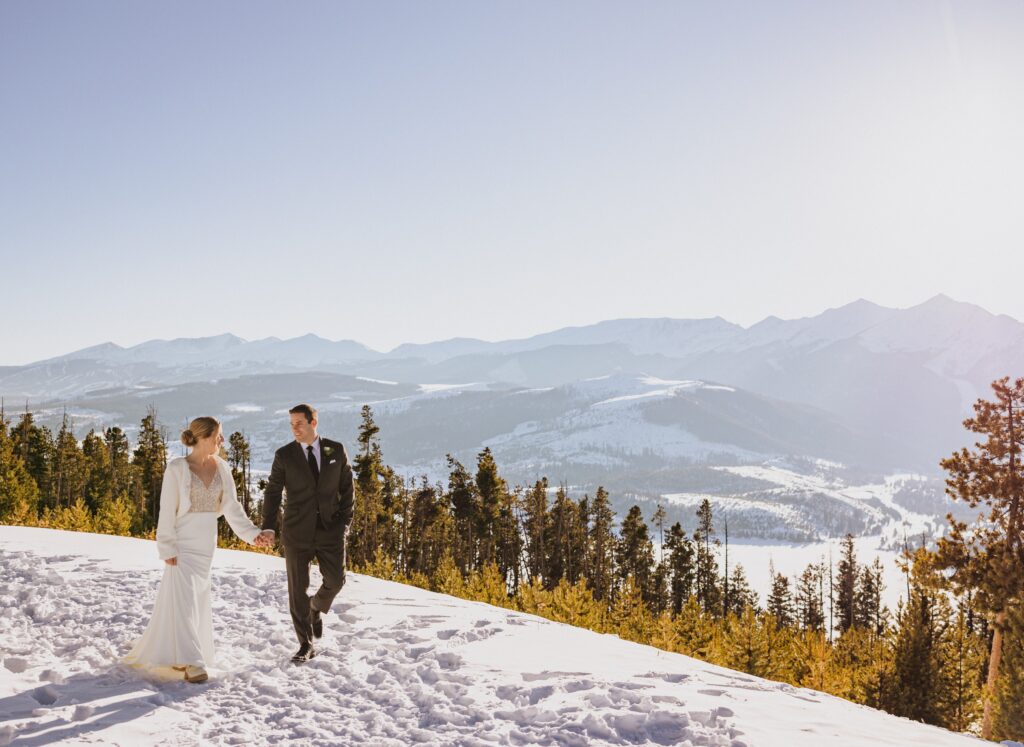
(196, 490)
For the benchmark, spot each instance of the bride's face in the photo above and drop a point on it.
(210, 445)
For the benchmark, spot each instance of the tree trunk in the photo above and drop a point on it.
(993, 674)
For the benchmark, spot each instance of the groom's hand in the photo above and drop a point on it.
(171, 561)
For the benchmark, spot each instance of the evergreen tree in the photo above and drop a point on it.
(34, 445)
(809, 610)
(509, 539)
(1008, 713)
(780, 601)
(99, 488)
(966, 655)
(987, 557)
(240, 459)
(846, 584)
(920, 686)
(433, 537)
(367, 467)
(463, 500)
(868, 612)
(122, 472)
(150, 459)
(741, 596)
(601, 548)
(68, 474)
(680, 568)
(492, 494)
(708, 592)
(535, 522)
(19, 494)
(634, 555)
(564, 541)
(629, 616)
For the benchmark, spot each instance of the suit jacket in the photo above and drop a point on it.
(328, 500)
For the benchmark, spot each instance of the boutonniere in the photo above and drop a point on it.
(328, 450)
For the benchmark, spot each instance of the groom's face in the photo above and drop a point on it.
(303, 430)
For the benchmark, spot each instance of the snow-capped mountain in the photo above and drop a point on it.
(647, 407)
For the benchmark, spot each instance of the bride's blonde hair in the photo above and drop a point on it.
(203, 427)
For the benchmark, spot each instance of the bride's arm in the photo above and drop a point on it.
(240, 524)
(166, 537)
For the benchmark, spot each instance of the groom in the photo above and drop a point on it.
(315, 474)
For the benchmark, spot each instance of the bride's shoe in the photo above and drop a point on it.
(195, 675)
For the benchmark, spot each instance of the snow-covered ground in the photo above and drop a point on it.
(399, 666)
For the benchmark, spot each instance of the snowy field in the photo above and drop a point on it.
(399, 666)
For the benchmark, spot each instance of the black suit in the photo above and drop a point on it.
(317, 513)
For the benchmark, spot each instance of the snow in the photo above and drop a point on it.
(377, 381)
(432, 388)
(244, 407)
(399, 666)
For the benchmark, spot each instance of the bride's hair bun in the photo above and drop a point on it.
(203, 427)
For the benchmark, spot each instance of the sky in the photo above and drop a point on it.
(396, 172)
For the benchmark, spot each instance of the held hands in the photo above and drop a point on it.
(264, 538)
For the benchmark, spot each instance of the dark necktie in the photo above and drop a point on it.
(312, 463)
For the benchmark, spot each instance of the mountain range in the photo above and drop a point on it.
(647, 406)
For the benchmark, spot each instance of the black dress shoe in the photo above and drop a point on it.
(304, 654)
(318, 622)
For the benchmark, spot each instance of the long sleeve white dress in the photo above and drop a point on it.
(180, 632)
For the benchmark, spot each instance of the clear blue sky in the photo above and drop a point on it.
(392, 172)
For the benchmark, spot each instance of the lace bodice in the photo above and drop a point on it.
(205, 499)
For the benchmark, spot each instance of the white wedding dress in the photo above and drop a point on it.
(180, 632)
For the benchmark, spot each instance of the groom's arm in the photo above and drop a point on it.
(346, 490)
(272, 495)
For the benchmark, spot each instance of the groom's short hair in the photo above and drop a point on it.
(307, 410)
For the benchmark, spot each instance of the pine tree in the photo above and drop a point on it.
(68, 475)
(966, 655)
(707, 591)
(564, 541)
(809, 611)
(240, 459)
(680, 568)
(741, 596)
(987, 557)
(34, 446)
(634, 555)
(574, 604)
(535, 521)
(696, 630)
(464, 507)
(629, 615)
(19, 494)
(491, 496)
(601, 548)
(919, 688)
(846, 583)
(150, 458)
(1008, 713)
(868, 612)
(367, 467)
(122, 473)
(99, 488)
(433, 537)
(780, 601)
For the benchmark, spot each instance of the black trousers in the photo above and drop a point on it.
(329, 550)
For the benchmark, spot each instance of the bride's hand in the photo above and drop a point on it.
(171, 561)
